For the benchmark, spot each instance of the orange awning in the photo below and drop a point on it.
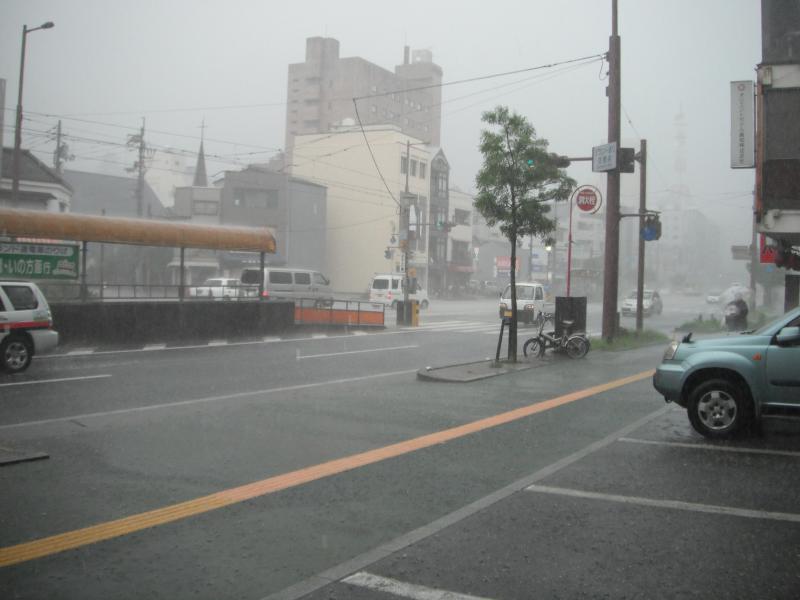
(140, 232)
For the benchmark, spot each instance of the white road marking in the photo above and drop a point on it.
(673, 504)
(270, 338)
(191, 402)
(360, 333)
(299, 357)
(80, 351)
(151, 347)
(218, 343)
(403, 589)
(318, 336)
(713, 447)
(55, 380)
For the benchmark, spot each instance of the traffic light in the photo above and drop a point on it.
(627, 160)
(387, 254)
(652, 228)
(530, 163)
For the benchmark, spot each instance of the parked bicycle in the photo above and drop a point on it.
(576, 344)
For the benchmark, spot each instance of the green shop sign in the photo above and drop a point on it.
(38, 261)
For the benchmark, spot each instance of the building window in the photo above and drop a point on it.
(413, 168)
(312, 101)
(441, 183)
(403, 165)
(205, 207)
(238, 197)
(461, 217)
(422, 167)
(313, 123)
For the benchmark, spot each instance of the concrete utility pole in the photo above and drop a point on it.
(642, 212)
(406, 227)
(138, 140)
(611, 266)
(57, 154)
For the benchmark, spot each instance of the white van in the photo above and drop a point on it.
(287, 283)
(530, 302)
(387, 289)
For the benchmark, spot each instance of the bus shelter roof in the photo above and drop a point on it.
(140, 232)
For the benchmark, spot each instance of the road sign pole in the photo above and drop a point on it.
(569, 248)
(642, 212)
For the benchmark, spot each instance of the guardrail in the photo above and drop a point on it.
(92, 292)
(355, 313)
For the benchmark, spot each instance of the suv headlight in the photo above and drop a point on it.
(669, 353)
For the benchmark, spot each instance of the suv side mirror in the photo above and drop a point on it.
(788, 336)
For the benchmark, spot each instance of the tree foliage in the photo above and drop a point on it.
(517, 180)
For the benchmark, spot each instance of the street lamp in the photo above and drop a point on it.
(18, 129)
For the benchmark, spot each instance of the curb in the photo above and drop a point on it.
(471, 371)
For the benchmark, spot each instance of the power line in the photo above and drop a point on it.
(482, 77)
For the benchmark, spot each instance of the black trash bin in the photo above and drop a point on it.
(570, 308)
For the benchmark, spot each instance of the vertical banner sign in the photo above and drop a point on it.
(742, 125)
(766, 253)
(24, 260)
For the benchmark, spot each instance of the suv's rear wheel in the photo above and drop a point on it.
(718, 409)
(16, 353)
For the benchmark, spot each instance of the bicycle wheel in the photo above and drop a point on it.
(531, 347)
(577, 347)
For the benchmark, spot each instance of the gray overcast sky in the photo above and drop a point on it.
(113, 62)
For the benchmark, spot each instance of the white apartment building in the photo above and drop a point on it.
(363, 218)
(460, 257)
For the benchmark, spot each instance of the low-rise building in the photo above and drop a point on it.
(40, 187)
(367, 182)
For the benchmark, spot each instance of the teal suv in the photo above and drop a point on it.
(727, 383)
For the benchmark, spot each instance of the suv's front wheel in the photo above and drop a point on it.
(16, 353)
(718, 409)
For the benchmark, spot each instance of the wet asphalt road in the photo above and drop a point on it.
(132, 430)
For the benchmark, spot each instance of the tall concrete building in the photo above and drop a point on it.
(321, 89)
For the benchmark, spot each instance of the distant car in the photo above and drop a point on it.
(490, 288)
(26, 325)
(218, 288)
(651, 304)
(713, 297)
(726, 383)
(530, 302)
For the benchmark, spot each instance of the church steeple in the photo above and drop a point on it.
(200, 177)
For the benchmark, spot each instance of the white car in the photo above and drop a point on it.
(218, 288)
(651, 304)
(26, 325)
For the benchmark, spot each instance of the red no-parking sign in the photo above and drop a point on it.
(588, 199)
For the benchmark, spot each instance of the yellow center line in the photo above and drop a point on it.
(69, 540)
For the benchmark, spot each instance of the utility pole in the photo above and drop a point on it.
(138, 140)
(57, 153)
(611, 267)
(406, 228)
(642, 212)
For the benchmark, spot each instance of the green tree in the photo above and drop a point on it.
(518, 177)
